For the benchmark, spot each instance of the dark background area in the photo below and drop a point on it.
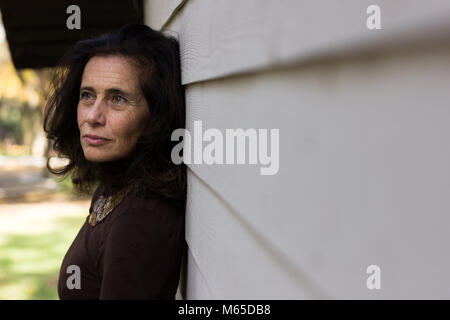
(37, 34)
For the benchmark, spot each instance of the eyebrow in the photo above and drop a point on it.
(109, 91)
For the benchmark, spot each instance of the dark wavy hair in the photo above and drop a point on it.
(149, 168)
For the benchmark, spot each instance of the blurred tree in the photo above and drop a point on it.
(22, 98)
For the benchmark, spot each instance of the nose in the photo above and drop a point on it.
(96, 114)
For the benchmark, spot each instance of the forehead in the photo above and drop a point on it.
(103, 72)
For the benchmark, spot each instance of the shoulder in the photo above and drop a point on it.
(153, 209)
(142, 216)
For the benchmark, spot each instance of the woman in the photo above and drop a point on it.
(114, 104)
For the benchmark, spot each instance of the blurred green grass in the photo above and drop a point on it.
(29, 263)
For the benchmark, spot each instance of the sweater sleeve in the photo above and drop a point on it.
(142, 255)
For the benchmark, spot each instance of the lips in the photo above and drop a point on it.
(95, 140)
(93, 136)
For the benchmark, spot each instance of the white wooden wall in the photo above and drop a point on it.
(364, 120)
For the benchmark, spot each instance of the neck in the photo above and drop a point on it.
(112, 174)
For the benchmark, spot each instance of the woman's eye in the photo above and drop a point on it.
(118, 99)
(85, 95)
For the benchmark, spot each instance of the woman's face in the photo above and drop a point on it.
(112, 106)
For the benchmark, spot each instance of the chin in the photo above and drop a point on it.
(97, 159)
(98, 156)
(101, 157)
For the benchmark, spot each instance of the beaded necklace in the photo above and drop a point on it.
(104, 205)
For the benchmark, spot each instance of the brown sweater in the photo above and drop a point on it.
(135, 252)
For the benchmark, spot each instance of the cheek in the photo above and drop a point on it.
(80, 116)
(143, 118)
(125, 126)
